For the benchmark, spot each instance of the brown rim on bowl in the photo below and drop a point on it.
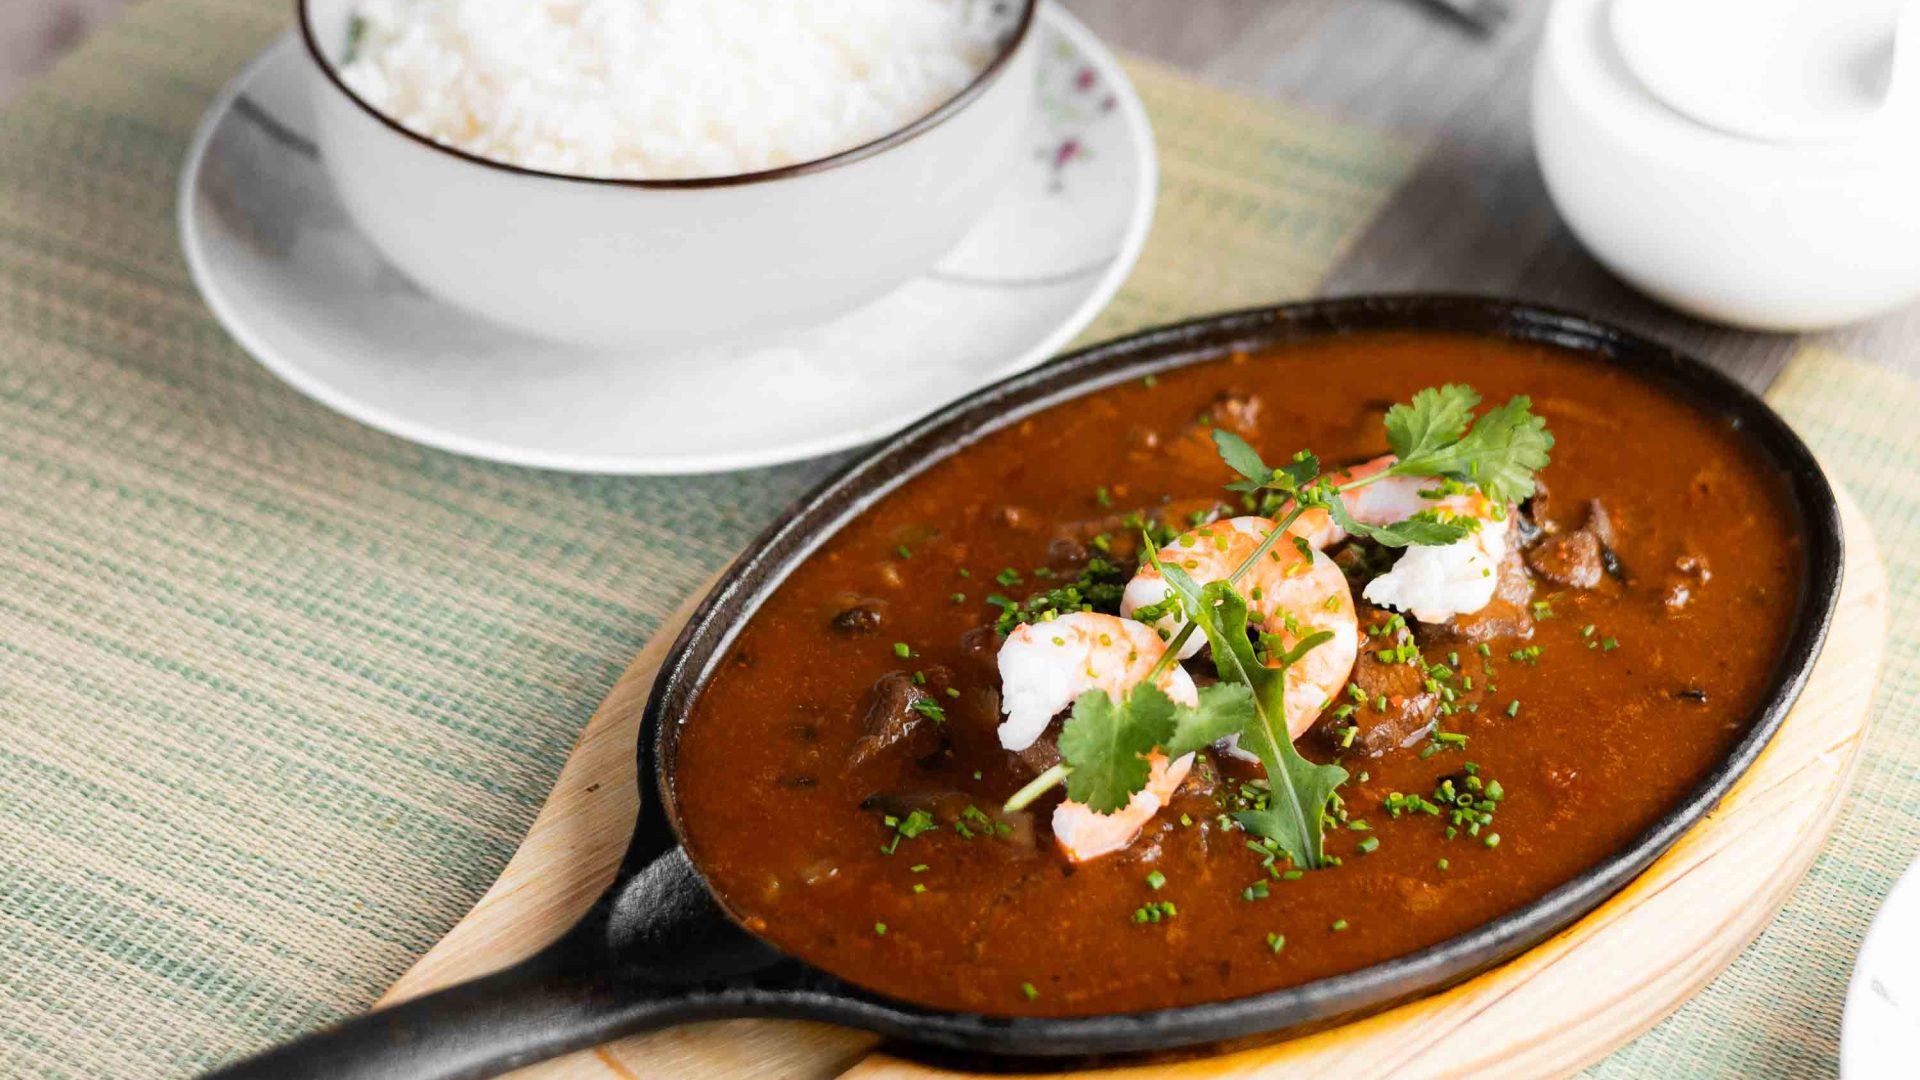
(949, 108)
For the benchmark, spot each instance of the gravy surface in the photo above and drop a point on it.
(1629, 702)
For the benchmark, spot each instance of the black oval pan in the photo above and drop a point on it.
(657, 949)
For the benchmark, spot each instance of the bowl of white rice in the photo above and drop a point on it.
(667, 172)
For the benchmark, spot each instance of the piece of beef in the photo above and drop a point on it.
(859, 620)
(1410, 708)
(1041, 755)
(1534, 511)
(1571, 558)
(1230, 410)
(1236, 410)
(1582, 558)
(897, 720)
(1600, 524)
(981, 648)
(1507, 615)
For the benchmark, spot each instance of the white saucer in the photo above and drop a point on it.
(1880, 1034)
(273, 253)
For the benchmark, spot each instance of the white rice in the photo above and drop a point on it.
(664, 89)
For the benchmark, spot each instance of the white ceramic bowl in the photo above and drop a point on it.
(1768, 234)
(614, 262)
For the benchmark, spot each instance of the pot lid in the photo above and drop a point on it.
(1777, 70)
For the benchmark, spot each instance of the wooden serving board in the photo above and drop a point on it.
(1563, 1005)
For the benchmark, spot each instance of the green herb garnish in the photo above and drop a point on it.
(1500, 453)
(1104, 742)
(1299, 788)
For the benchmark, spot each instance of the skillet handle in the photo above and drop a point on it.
(552, 1003)
(655, 951)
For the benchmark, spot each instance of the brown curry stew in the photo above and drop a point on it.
(841, 786)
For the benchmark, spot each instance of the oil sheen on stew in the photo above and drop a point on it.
(1655, 578)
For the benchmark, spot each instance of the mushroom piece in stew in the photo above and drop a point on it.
(1004, 742)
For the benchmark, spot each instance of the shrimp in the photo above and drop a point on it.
(1289, 593)
(1085, 834)
(1433, 583)
(1045, 666)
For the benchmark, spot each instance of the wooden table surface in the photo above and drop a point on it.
(1474, 216)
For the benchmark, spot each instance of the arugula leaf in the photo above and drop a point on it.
(1300, 789)
(1435, 418)
(1422, 528)
(1500, 453)
(1225, 709)
(1242, 458)
(1106, 743)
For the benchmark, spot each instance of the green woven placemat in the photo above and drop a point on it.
(279, 694)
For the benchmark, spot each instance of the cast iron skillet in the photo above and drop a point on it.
(657, 949)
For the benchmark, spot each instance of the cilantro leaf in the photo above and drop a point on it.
(1500, 453)
(1225, 709)
(1106, 742)
(1422, 528)
(1435, 418)
(1242, 458)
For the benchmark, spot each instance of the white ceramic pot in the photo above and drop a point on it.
(1697, 194)
(669, 262)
